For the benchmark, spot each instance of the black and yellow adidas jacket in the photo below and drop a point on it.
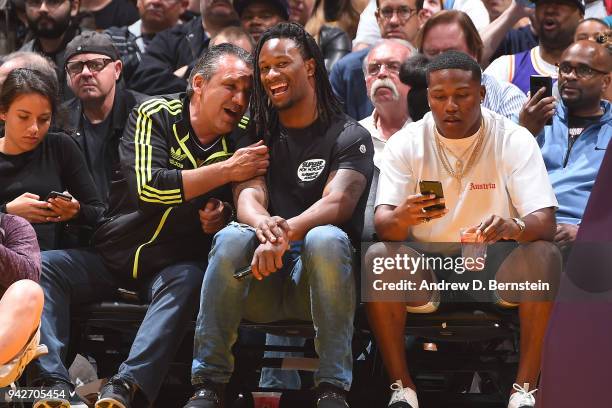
(150, 225)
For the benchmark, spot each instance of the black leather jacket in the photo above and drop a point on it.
(334, 44)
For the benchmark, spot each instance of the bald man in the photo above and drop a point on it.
(574, 146)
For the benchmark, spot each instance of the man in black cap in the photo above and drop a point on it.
(98, 113)
(256, 16)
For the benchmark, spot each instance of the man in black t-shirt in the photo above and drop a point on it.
(296, 224)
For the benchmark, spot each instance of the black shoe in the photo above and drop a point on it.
(116, 393)
(59, 394)
(208, 395)
(330, 396)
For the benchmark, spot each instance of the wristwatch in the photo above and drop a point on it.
(520, 223)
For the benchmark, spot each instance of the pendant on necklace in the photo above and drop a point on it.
(459, 166)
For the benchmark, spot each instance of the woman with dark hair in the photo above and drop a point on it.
(414, 73)
(36, 165)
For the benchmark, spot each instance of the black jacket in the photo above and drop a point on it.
(170, 50)
(150, 225)
(58, 58)
(334, 44)
(125, 100)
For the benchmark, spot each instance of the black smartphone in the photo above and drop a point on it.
(537, 82)
(432, 187)
(240, 274)
(55, 194)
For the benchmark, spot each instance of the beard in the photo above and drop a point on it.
(221, 17)
(46, 27)
(558, 40)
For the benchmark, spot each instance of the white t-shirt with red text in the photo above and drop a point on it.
(509, 178)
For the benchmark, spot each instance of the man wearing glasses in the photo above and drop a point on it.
(396, 19)
(177, 159)
(574, 146)
(99, 111)
(50, 22)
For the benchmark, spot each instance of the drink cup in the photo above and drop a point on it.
(473, 249)
(266, 399)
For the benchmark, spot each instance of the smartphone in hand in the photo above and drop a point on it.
(55, 194)
(537, 82)
(432, 187)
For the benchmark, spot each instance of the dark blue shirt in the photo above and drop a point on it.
(348, 82)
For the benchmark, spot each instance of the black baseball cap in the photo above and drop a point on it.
(91, 42)
(281, 5)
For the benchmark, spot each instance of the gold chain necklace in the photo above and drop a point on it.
(460, 170)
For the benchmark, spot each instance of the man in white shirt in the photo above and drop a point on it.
(388, 95)
(386, 92)
(495, 184)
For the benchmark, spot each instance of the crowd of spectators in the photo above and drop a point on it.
(163, 145)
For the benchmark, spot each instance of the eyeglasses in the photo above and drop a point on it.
(93, 65)
(403, 13)
(581, 70)
(49, 3)
(374, 68)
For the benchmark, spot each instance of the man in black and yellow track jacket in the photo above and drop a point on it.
(177, 162)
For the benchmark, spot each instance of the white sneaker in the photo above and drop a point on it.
(403, 397)
(522, 398)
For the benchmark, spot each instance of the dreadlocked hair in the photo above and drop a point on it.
(265, 115)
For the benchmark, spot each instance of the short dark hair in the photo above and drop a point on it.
(472, 38)
(418, 5)
(208, 63)
(23, 81)
(454, 60)
(413, 72)
(328, 106)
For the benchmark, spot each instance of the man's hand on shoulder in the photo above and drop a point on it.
(248, 162)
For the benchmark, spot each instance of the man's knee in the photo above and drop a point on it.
(326, 241)
(25, 295)
(544, 259)
(234, 241)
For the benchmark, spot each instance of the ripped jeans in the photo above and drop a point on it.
(315, 283)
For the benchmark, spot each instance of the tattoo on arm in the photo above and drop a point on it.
(349, 182)
(258, 184)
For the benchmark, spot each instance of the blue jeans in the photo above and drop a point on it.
(78, 276)
(316, 283)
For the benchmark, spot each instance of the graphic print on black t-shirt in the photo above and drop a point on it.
(301, 161)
